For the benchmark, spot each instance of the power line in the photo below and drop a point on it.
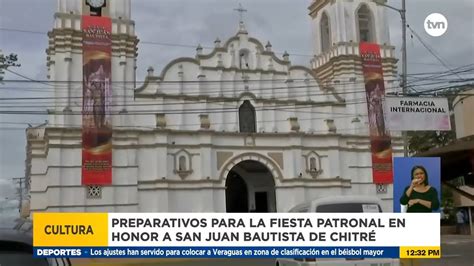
(56, 104)
(21, 101)
(245, 81)
(27, 78)
(297, 93)
(209, 94)
(440, 72)
(169, 126)
(428, 64)
(154, 42)
(205, 90)
(444, 74)
(288, 108)
(210, 47)
(174, 82)
(431, 50)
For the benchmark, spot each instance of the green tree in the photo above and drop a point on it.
(6, 62)
(447, 205)
(420, 141)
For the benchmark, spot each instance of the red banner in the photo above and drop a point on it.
(97, 99)
(380, 141)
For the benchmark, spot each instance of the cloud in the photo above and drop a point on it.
(7, 188)
(285, 23)
(8, 201)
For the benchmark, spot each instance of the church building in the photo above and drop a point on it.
(238, 129)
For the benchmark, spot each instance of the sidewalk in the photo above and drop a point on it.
(454, 239)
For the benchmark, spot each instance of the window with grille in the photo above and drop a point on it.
(381, 188)
(94, 192)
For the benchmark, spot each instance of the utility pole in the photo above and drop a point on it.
(404, 70)
(402, 13)
(19, 180)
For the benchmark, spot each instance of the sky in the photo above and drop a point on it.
(285, 23)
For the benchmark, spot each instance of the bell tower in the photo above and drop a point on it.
(338, 27)
(65, 58)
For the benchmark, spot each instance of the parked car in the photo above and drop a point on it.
(338, 204)
(16, 245)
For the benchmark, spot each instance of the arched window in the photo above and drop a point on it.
(182, 163)
(247, 117)
(366, 33)
(312, 164)
(325, 33)
(244, 59)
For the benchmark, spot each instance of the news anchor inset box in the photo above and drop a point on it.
(424, 195)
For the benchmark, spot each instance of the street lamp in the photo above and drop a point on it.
(402, 13)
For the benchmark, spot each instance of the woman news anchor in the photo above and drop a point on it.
(420, 196)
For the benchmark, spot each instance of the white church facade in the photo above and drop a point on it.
(238, 129)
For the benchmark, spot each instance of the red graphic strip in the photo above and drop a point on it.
(97, 99)
(381, 145)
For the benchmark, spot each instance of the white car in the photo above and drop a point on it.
(338, 204)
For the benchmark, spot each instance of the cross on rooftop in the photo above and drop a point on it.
(241, 11)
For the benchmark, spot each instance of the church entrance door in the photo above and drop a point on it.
(250, 187)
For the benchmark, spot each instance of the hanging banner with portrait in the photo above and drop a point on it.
(380, 141)
(97, 99)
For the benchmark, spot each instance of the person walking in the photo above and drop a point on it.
(460, 222)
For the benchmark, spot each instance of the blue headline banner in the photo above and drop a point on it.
(218, 252)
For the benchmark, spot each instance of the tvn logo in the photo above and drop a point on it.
(436, 24)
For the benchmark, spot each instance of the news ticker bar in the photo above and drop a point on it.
(235, 230)
(238, 252)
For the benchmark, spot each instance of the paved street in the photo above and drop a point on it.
(455, 250)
